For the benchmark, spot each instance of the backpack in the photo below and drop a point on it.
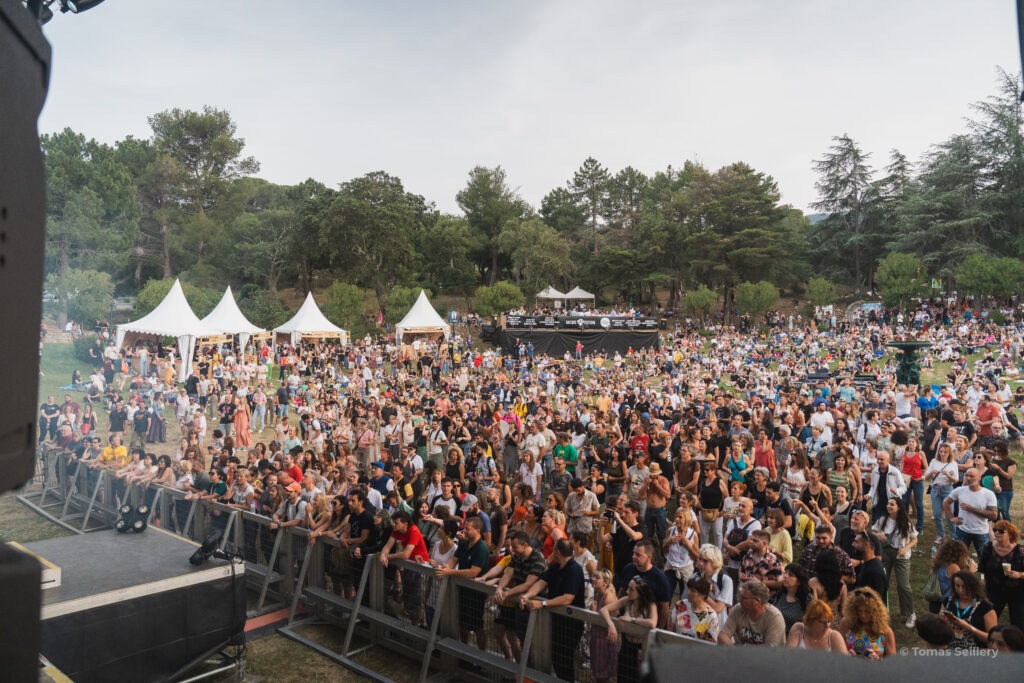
(738, 534)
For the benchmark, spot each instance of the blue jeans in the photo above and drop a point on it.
(1003, 501)
(656, 523)
(977, 540)
(917, 489)
(942, 527)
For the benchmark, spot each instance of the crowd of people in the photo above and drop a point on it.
(707, 486)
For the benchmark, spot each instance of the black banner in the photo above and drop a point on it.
(557, 343)
(574, 322)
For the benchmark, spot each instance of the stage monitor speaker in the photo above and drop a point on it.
(20, 588)
(24, 78)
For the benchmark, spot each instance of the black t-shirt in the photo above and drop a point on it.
(845, 541)
(118, 417)
(227, 412)
(964, 429)
(567, 580)
(654, 577)
(141, 421)
(871, 574)
(622, 545)
(357, 523)
(719, 446)
(50, 411)
(282, 396)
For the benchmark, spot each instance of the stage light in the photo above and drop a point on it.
(141, 518)
(76, 6)
(127, 519)
(210, 548)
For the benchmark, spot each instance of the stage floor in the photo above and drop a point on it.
(131, 607)
(105, 566)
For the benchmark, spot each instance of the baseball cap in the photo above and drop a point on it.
(468, 501)
(377, 464)
(294, 486)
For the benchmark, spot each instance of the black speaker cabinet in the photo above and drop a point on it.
(24, 76)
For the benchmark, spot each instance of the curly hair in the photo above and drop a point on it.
(865, 597)
(971, 582)
(951, 551)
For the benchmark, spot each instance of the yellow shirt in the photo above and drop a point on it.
(116, 457)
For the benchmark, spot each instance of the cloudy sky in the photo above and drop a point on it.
(330, 89)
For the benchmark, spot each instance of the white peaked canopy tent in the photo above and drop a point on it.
(422, 319)
(551, 293)
(227, 319)
(172, 318)
(578, 294)
(310, 322)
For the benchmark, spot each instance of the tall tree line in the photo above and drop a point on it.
(186, 202)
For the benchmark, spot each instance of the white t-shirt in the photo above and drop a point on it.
(825, 422)
(531, 475)
(983, 499)
(948, 473)
(677, 556)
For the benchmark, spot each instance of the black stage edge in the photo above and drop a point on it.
(556, 343)
(19, 596)
(132, 608)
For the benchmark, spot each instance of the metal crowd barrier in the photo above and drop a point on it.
(428, 625)
(76, 497)
(405, 608)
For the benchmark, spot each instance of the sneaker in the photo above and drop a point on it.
(911, 621)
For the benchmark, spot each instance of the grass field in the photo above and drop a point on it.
(280, 659)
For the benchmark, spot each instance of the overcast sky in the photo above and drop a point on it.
(426, 90)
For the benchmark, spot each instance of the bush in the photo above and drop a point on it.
(81, 346)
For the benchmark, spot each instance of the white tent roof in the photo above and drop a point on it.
(550, 293)
(172, 318)
(309, 320)
(226, 317)
(422, 318)
(577, 293)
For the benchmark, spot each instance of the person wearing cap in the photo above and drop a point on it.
(379, 480)
(293, 509)
(470, 509)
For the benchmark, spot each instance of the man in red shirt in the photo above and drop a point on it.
(291, 468)
(405, 584)
(640, 441)
(986, 414)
